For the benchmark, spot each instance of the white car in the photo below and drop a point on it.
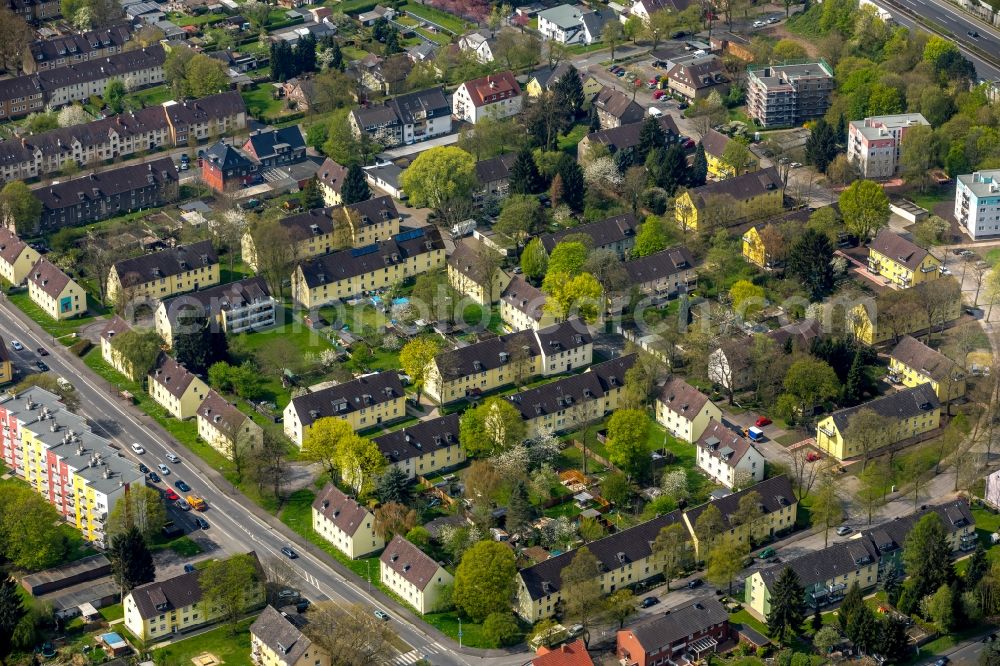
(795, 165)
(758, 24)
(844, 530)
(16, 345)
(137, 448)
(172, 457)
(164, 470)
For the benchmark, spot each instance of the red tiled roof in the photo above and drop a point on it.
(489, 89)
(567, 654)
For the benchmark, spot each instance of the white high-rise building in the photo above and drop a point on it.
(977, 203)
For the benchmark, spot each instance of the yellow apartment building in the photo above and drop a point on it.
(901, 312)
(725, 202)
(684, 410)
(901, 262)
(507, 359)
(175, 389)
(912, 411)
(277, 639)
(235, 307)
(346, 524)
(423, 448)
(522, 306)
(413, 575)
(715, 148)
(164, 273)
(365, 402)
(756, 250)
(117, 326)
(225, 428)
(913, 363)
(6, 366)
(465, 273)
(16, 257)
(330, 179)
(167, 608)
(348, 273)
(56, 293)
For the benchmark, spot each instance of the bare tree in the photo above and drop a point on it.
(804, 472)
(868, 431)
(352, 633)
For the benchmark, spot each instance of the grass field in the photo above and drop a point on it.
(56, 329)
(436, 37)
(260, 102)
(231, 649)
(443, 19)
(149, 97)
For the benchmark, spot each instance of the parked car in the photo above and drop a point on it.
(188, 568)
(41, 366)
(181, 486)
(289, 552)
(649, 602)
(201, 522)
(171, 495)
(766, 553)
(659, 94)
(16, 345)
(759, 24)
(137, 448)
(182, 505)
(172, 457)
(381, 614)
(143, 469)
(844, 530)
(696, 582)
(812, 456)
(763, 421)
(42, 351)
(164, 470)
(154, 477)
(942, 661)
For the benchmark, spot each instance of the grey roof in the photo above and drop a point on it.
(981, 183)
(775, 494)
(63, 575)
(604, 232)
(523, 296)
(352, 262)
(229, 103)
(901, 250)
(495, 169)
(102, 184)
(564, 16)
(416, 567)
(627, 135)
(222, 297)
(547, 74)
(66, 46)
(678, 623)
(612, 552)
(11, 246)
(660, 265)
(20, 86)
(422, 438)
(226, 157)
(343, 511)
(351, 396)
(405, 109)
(117, 65)
(874, 127)
(682, 398)
(740, 188)
(715, 143)
(562, 394)
(801, 333)
(172, 261)
(903, 404)
(700, 73)
(153, 599)
(266, 143)
(282, 634)
(332, 175)
(776, 77)
(594, 21)
(221, 414)
(920, 357)
(619, 105)
(387, 173)
(172, 376)
(725, 444)
(465, 258)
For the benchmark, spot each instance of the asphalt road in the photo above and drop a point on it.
(232, 527)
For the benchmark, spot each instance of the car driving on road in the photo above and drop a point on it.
(164, 470)
(137, 448)
(16, 345)
(289, 552)
(181, 486)
(172, 457)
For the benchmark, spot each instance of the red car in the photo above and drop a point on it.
(763, 421)
(171, 495)
(659, 93)
(812, 456)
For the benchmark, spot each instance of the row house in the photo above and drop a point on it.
(345, 523)
(35, 11)
(470, 371)
(225, 428)
(684, 410)
(614, 233)
(74, 470)
(466, 276)
(725, 202)
(664, 274)
(684, 634)
(16, 257)
(76, 47)
(913, 363)
(165, 273)
(364, 403)
(729, 457)
(176, 389)
(75, 83)
(415, 116)
(425, 448)
(233, 308)
(205, 118)
(522, 306)
(108, 193)
(57, 294)
(355, 271)
(277, 639)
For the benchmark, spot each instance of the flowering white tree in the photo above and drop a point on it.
(83, 19)
(674, 484)
(512, 463)
(328, 357)
(560, 532)
(324, 58)
(391, 342)
(544, 449)
(602, 171)
(73, 115)
(562, 214)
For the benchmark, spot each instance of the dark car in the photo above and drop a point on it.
(302, 605)
(188, 568)
(42, 352)
(649, 602)
(41, 366)
(942, 661)
(289, 552)
(154, 477)
(697, 582)
(143, 469)
(201, 522)
(182, 505)
(181, 486)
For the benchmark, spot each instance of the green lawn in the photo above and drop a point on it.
(743, 616)
(472, 633)
(353, 53)
(569, 142)
(149, 97)
(186, 19)
(230, 649)
(443, 19)
(56, 329)
(115, 612)
(351, 6)
(260, 102)
(439, 38)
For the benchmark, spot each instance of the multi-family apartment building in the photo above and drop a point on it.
(6, 365)
(616, 109)
(176, 389)
(664, 274)
(728, 457)
(977, 203)
(347, 273)
(568, 24)
(277, 639)
(522, 306)
(225, 428)
(614, 233)
(225, 167)
(787, 95)
(165, 273)
(76, 47)
(415, 576)
(317, 232)
(487, 365)
(874, 144)
(166, 608)
(415, 116)
(34, 11)
(715, 144)
(900, 261)
(121, 136)
(698, 78)
(495, 96)
(330, 179)
(365, 402)
(623, 137)
(895, 312)
(684, 410)
(493, 176)
(116, 326)
(424, 448)
(345, 523)
(725, 202)
(913, 363)
(236, 307)
(76, 471)
(57, 294)
(689, 632)
(466, 275)
(104, 194)
(909, 413)
(569, 402)
(16, 257)
(826, 574)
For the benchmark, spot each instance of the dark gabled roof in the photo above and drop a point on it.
(4, 352)
(578, 389)
(660, 265)
(225, 157)
(48, 277)
(222, 105)
(701, 73)
(172, 376)
(332, 174)
(352, 262)
(174, 593)
(612, 552)
(351, 396)
(495, 168)
(523, 296)
(465, 257)
(627, 136)
(378, 209)
(619, 105)
(172, 261)
(715, 143)
(221, 414)
(11, 246)
(282, 634)
(406, 108)
(115, 326)
(724, 444)
(493, 352)
(217, 299)
(416, 567)
(69, 45)
(775, 494)
(549, 75)
(118, 65)
(899, 405)
(740, 188)
(915, 354)
(904, 252)
(604, 232)
(343, 511)
(679, 622)
(20, 86)
(420, 439)
(102, 184)
(802, 333)
(264, 143)
(682, 398)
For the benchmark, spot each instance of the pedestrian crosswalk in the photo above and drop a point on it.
(411, 657)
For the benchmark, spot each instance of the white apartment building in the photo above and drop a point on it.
(874, 144)
(495, 96)
(977, 203)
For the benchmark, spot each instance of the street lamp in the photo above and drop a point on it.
(368, 574)
(459, 632)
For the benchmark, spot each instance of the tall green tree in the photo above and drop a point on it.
(672, 171)
(573, 185)
(524, 175)
(484, 580)
(11, 613)
(725, 560)
(651, 136)
(198, 349)
(491, 428)
(699, 168)
(29, 535)
(415, 357)
(809, 262)
(862, 629)
(534, 260)
(355, 187)
(139, 350)
(518, 508)
(787, 606)
(978, 568)
(19, 204)
(627, 443)
(581, 590)
(865, 208)
(853, 600)
(131, 562)
(141, 509)
(360, 462)
(652, 238)
(927, 556)
(811, 382)
(892, 642)
(672, 550)
(310, 197)
(232, 586)
(322, 441)
(827, 509)
(439, 175)
(569, 92)
(393, 486)
(821, 146)
(114, 95)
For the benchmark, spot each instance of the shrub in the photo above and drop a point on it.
(81, 347)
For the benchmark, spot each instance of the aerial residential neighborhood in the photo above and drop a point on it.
(440, 332)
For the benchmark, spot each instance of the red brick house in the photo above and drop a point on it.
(567, 654)
(682, 634)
